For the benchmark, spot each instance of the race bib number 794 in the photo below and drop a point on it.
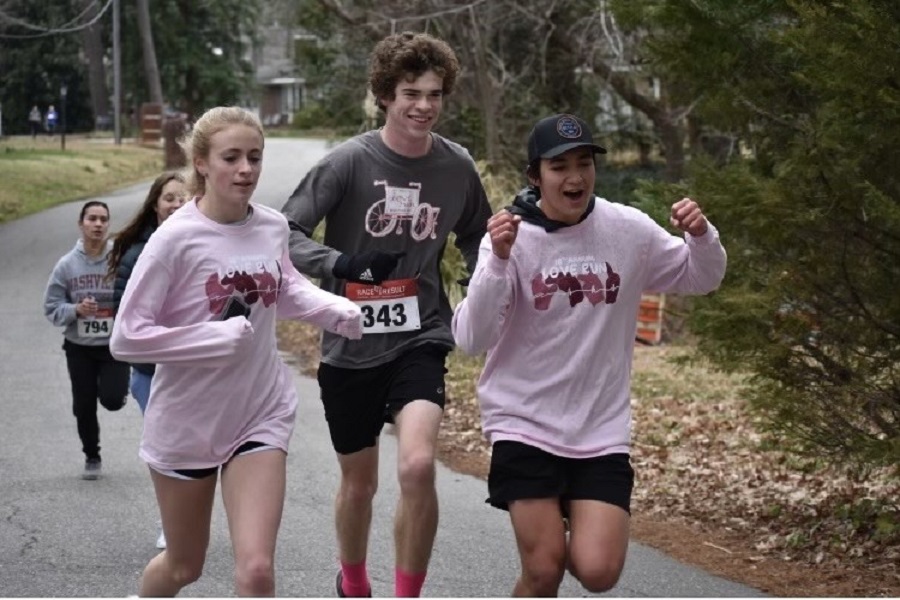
(387, 308)
(98, 326)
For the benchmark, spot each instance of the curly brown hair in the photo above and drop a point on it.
(407, 56)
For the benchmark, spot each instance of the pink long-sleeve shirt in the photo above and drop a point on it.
(558, 322)
(218, 383)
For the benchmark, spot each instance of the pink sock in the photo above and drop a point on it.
(408, 585)
(356, 580)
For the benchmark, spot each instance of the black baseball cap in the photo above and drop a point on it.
(554, 135)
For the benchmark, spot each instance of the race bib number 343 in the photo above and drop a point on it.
(387, 308)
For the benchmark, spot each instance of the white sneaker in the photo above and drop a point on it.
(161, 540)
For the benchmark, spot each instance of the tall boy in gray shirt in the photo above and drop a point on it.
(390, 199)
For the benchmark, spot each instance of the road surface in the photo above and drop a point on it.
(64, 537)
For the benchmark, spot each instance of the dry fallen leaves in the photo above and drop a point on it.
(703, 462)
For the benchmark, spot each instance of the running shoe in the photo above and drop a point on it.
(92, 468)
(339, 585)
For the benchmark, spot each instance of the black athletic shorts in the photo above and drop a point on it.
(519, 472)
(358, 402)
(194, 474)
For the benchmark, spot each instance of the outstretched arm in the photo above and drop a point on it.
(302, 300)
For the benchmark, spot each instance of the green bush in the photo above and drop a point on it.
(311, 116)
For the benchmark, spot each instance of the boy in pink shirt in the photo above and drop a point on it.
(202, 303)
(554, 302)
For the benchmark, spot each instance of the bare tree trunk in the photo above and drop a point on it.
(151, 68)
(92, 43)
(488, 96)
(671, 137)
(671, 132)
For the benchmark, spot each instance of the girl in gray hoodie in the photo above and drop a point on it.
(79, 297)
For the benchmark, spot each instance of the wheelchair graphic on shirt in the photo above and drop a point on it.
(402, 204)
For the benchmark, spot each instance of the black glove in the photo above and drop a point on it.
(366, 267)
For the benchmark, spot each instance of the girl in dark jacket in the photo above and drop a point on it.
(166, 195)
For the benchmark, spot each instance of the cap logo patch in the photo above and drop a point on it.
(568, 127)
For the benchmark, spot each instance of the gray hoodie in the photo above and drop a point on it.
(75, 277)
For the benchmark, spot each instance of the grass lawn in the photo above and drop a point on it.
(37, 174)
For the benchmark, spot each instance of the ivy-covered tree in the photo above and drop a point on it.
(201, 50)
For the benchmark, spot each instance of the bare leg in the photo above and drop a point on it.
(541, 539)
(186, 510)
(353, 505)
(416, 520)
(598, 543)
(253, 493)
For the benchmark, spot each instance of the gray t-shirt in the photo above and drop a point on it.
(375, 199)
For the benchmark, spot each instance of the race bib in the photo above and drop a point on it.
(98, 326)
(387, 308)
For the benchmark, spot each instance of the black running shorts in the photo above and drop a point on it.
(519, 471)
(358, 402)
(194, 474)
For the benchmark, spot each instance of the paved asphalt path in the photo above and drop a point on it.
(64, 537)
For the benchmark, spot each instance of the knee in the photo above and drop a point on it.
(598, 577)
(185, 573)
(255, 577)
(113, 403)
(543, 574)
(416, 472)
(358, 487)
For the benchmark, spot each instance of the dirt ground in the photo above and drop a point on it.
(722, 551)
(705, 493)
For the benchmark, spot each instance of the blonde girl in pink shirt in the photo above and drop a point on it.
(202, 304)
